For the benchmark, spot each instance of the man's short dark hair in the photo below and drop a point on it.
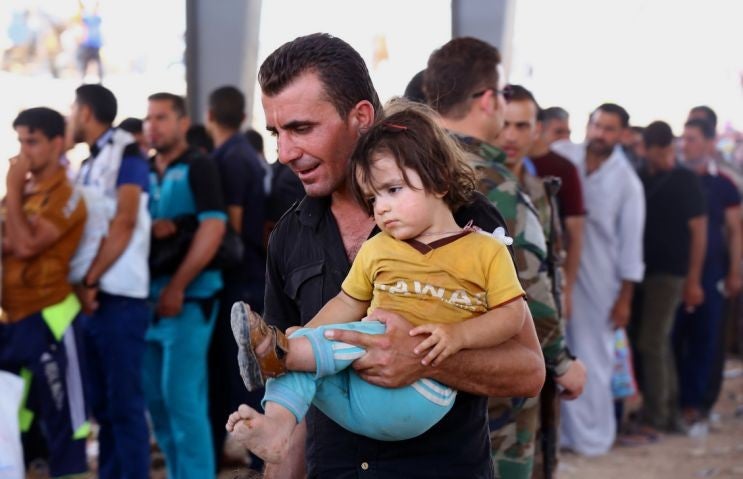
(554, 113)
(131, 125)
(708, 132)
(255, 139)
(100, 100)
(340, 68)
(709, 114)
(658, 133)
(197, 137)
(227, 106)
(456, 71)
(614, 109)
(519, 93)
(414, 90)
(177, 102)
(50, 122)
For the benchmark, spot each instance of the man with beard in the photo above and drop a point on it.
(185, 184)
(611, 262)
(113, 288)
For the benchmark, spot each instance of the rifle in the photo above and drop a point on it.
(549, 400)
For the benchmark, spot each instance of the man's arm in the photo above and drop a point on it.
(22, 237)
(235, 217)
(574, 236)
(515, 368)
(693, 292)
(201, 251)
(733, 230)
(119, 232)
(620, 311)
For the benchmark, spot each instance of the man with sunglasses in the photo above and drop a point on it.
(461, 83)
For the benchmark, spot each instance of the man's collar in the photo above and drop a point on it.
(485, 150)
(96, 147)
(235, 138)
(310, 210)
(187, 153)
(52, 182)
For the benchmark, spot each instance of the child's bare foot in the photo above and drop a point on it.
(267, 436)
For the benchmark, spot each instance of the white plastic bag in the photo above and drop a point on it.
(11, 451)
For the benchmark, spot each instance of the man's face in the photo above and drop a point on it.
(604, 132)
(76, 120)
(693, 145)
(632, 140)
(660, 157)
(40, 150)
(519, 130)
(312, 138)
(163, 127)
(557, 129)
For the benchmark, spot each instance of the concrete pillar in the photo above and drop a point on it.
(221, 49)
(489, 20)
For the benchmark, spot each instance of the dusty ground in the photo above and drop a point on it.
(673, 457)
(678, 457)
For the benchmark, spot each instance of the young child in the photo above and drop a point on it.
(457, 286)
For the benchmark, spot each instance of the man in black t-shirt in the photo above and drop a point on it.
(318, 99)
(675, 243)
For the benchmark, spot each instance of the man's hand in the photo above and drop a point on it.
(693, 295)
(732, 284)
(389, 360)
(163, 228)
(443, 341)
(170, 302)
(572, 381)
(17, 173)
(88, 298)
(620, 313)
(567, 303)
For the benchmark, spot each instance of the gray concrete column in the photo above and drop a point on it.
(221, 49)
(488, 20)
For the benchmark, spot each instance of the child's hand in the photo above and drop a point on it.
(443, 341)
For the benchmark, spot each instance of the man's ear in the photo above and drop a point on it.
(85, 113)
(361, 116)
(58, 143)
(185, 123)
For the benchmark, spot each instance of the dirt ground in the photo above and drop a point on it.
(672, 457)
(720, 455)
(676, 456)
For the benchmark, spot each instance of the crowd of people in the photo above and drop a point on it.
(503, 273)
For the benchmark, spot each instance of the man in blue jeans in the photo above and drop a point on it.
(697, 333)
(184, 183)
(114, 281)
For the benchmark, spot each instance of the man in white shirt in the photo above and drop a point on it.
(611, 262)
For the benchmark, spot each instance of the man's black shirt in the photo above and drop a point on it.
(307, 264)
(672, 199)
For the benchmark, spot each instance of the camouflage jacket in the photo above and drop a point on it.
(527, 227)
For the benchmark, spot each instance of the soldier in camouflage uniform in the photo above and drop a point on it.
(461, 84)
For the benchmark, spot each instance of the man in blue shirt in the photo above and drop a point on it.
(697, 333)
(183, 182)
(241, 175)
(114, 280)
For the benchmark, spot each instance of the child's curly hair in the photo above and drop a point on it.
(410, 134)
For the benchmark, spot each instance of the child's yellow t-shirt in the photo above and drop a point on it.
(447, 281)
